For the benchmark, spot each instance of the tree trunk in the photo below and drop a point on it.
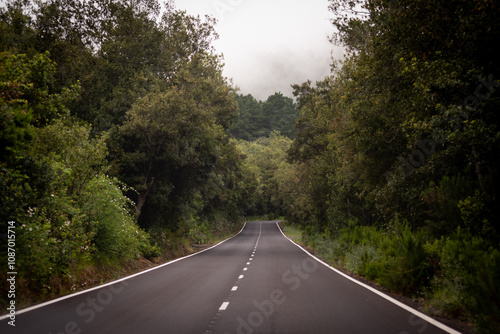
(478, 170)
(143, 195)
(139, 205)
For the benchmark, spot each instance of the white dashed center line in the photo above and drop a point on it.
(224, 306)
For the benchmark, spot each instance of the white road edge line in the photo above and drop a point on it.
(392, 300)
(34, 307)
(224, 306)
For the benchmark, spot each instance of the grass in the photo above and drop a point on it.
(292, 231)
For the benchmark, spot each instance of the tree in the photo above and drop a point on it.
(258, 119)
(245, 125)
(280, 111)
(265, 158)
(173, 137)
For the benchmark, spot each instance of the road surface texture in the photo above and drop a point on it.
(256, 282)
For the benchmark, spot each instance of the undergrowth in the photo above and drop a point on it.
(456, 276)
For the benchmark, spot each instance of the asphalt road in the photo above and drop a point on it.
(255, 282)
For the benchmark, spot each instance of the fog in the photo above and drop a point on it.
(270, 44)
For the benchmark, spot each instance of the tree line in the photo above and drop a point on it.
(114, 121)
(396, 160)
(120, 137)
(259, 119)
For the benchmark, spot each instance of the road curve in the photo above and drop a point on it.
(255, 282)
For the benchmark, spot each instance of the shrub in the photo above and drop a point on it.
(404, 266)
(467, 279)
(483, 290)
(199, 233)
(116, 234)
(51, 239)
(147, 249)
(359, 259)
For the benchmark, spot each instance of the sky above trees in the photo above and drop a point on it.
(269, 45)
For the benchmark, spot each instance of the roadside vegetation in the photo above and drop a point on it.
(121, 141)
(395, 162)
(114, 151)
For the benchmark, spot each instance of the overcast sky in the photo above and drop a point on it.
(270, 44)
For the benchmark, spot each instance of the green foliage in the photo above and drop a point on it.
(116, 235)
(396, 258)
(199, 232)
(406, 127)
(465, 279)
(404, 266)
(476, 215)
(67, 212)
(265, 160)
(260, 118)
(27, 99)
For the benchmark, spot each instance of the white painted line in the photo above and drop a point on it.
(234, 288)
(248, 263)
(381, 294)
(250, 259)
(245, 269)
(223, 307)
(241, 276)
(34, 307)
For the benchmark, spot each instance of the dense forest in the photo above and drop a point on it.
(114, 122)
(120, 136)
(397, 153)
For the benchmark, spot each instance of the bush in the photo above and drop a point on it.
(148, 250)
(116, 234)
(471, 270)
(199, 233)
(359, 258)
(51, 240)
(483, 290)
(406, 268)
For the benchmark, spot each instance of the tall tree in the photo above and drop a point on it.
(259, 119)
